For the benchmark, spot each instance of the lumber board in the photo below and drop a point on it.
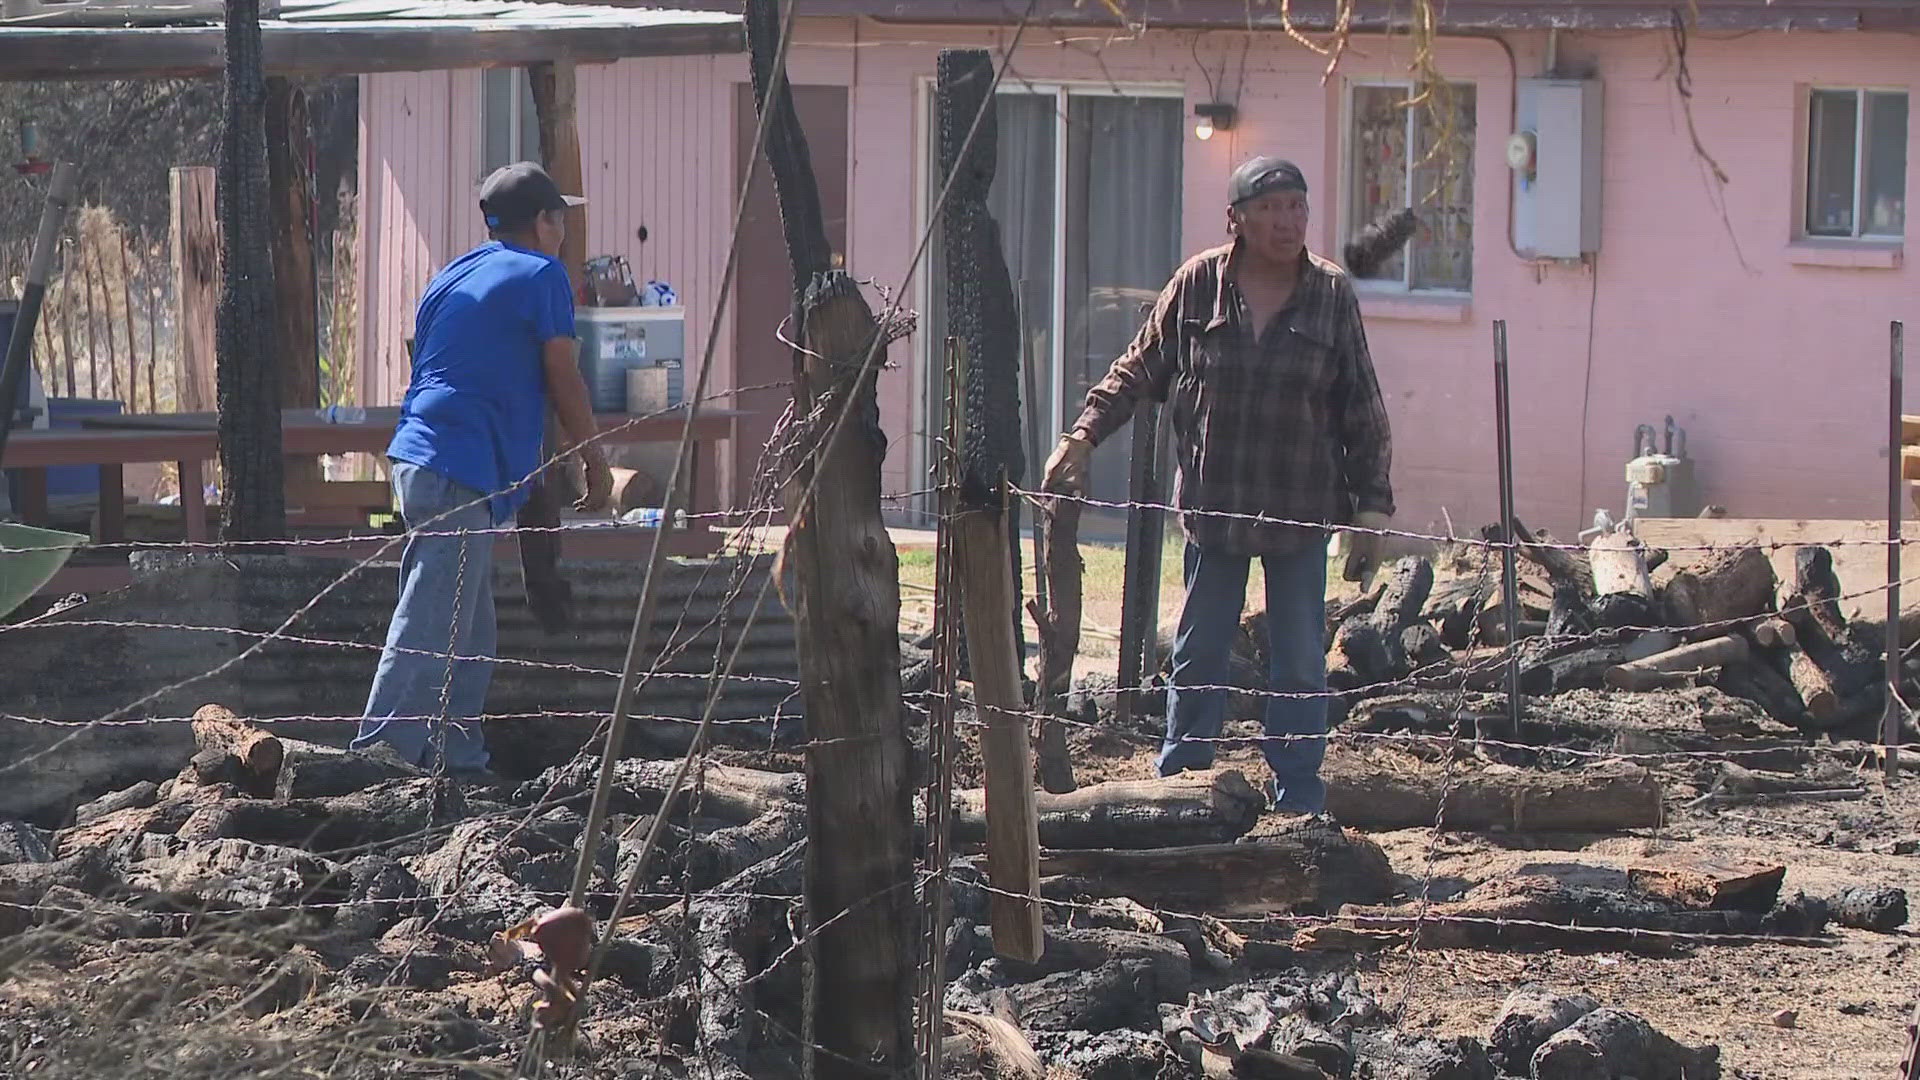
(312, 494)
(196, 281)
(1013, 819)
(1707, 884)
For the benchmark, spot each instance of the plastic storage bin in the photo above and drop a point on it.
(614, 341)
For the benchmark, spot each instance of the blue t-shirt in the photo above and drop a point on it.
(476, 409)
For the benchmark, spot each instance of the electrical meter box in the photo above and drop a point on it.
(1555, 158)
(614, 340)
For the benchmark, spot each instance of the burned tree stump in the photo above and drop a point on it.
(1870, 907)
(311, 771)
(1118, 994)
(1722, 588)
(860, 861)
(722, 853)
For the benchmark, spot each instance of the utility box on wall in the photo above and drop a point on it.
(1555, 157)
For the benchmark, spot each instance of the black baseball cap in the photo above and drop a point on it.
(1257, 176)
(516, 194)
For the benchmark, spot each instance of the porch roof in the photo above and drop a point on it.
(1457, 16)
(119, 39)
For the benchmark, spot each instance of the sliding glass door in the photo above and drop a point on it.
(1088, 198)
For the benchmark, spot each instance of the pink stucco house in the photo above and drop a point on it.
(1753, 310)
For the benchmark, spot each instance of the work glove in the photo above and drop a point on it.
(1067, 467)
(1364, 547)
(599, 493)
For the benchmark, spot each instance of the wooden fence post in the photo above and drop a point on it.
(860, 865)
(252, 486)
(985, 317)
(196, 284)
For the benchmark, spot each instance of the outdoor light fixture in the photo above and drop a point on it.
(1214, 116)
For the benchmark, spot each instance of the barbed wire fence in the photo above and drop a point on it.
(61, 926)
(269, 967)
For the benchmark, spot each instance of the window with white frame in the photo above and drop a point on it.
(1406, 149)
(1856, 163)
(509, 123)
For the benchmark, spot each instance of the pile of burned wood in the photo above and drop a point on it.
(1617, 616)
(340, 903)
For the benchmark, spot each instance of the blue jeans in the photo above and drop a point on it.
(1296, 630)
(445, 608)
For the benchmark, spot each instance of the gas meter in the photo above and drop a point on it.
(1660, 477)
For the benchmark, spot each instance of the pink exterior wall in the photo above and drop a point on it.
(1776, 369)
(650, 130)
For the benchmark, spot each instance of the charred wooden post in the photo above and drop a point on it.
(253, 493)
(1140, 588)
(296, 294)
(980, 308)
(859, 869)
(1058, 618)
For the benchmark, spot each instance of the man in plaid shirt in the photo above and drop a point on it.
(1281, 433)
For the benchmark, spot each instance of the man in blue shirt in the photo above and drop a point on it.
(494, 348)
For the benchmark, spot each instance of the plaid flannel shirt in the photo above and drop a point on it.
(1284, 424)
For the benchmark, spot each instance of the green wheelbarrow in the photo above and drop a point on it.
(29, 558)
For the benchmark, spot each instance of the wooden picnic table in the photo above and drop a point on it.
(189, 439)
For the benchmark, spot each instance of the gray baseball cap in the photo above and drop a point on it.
(1257, 176)
(515, 194)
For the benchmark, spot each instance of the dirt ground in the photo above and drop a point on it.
(1852, 998)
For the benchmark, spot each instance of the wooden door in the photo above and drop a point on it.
(762, 292)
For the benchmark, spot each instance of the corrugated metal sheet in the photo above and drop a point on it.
(105, 668)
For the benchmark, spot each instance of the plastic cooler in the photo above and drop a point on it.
(614, 341)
